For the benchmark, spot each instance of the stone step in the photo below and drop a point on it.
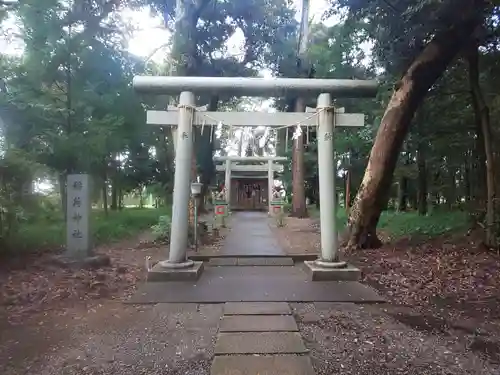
(260, 343)
(257, 308)
(222, 261)
(264, 261)
(258, 323)
(262, 365)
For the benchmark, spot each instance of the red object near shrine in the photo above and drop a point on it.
(220, 210)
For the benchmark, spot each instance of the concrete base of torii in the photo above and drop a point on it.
(164, 271)
(341, 271)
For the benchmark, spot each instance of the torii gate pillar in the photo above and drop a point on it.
(177, 266)
(328, 266)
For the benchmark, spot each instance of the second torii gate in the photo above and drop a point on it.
(324, 118)
(269, 171)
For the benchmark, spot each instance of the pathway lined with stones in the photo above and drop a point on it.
(249, 236)
(260, 338)
(257, 338)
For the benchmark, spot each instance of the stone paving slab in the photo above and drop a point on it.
(250, 235)
(222, 262)
(260, 343)
(257, 308)
(262, 365)
(253, 261)
(207, 254)
(254, 284)
(265, 262)
(242, 273)
(258, 323)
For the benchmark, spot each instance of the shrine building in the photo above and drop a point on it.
(251, 185)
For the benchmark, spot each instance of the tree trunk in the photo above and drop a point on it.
(408, 95)
(184, 48)
(194, 175)
(316, 191)
(466, 179)
(402, 194)
(141, 200)
(437, 200)
(299, 207)
(207, 151)
(451, 196)
(63, 192)
(166, 155)
(482, 111)
(282, 147)
(412, 196)
(402, 201)
(120, 199)
(114, 195)
(184, 52)
(348, 186)
(480, 189)
(347, 190)
(422, 180)
(105, 197)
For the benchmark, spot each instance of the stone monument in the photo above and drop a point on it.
(78, 243)
(79, 246)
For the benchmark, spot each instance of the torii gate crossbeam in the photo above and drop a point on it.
(264, 87)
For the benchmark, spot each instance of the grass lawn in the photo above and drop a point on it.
(117, 225)
(401, 224)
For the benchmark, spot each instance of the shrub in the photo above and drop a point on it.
(161, 231)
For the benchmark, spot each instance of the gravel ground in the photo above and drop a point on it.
(298, 236)
(163, 339)
(363, 339)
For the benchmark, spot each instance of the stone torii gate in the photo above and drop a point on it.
(186, 116)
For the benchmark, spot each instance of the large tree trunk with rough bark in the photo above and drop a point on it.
(348, 190)
(184, 51)
(407, 96)
(299, 207)
(483, 118)
(194, 175)
(205, 148)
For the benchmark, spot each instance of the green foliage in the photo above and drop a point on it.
(50, 233)
(123, 224)
(407, 224)
(16, 202)
(412, 224)
(161, 230)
